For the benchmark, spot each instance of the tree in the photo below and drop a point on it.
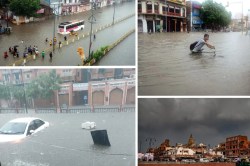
(24, 7)
(44, 86)
(215, 15)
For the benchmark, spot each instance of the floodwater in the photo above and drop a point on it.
(64, 143)
(35, 33)
(166, 66)
(122, 54)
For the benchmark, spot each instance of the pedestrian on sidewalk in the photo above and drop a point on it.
(9, 49)
(50, 43)
(50, 55)
(65, 38)
(46, 40)
(94, 36)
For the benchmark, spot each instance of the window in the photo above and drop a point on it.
(38, 123)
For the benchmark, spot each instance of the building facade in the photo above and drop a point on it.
(194, 21)
(159, 15)
(237, 146)
(80, 86)
(74, 6)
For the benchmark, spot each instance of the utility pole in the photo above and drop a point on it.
(191, 15)
(166, 12)
(91, 19)
(54, 29)
(114, 3)
(242, 18)
(150, 142)
(25, 101)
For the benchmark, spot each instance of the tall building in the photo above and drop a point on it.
(162, 15)
(191, 141)
(237, 146)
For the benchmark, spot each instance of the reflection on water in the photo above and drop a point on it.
(166, 66)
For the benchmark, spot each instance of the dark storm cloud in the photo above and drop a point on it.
(209, 120)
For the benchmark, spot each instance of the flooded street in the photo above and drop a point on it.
(35, 33)
(166, 66)
(64, 143)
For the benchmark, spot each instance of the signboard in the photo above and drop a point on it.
(80, 86)
(64, 90)
(98, 85)
(116, 84)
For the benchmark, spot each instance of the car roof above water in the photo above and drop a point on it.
(27, 119)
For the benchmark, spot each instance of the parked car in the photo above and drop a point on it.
(20, 128)
(188, 160)
(88, 125)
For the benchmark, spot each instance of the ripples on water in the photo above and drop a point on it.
(166, 66)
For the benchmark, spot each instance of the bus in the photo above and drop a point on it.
(66, 27)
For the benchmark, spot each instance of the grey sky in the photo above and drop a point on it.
(209, 120)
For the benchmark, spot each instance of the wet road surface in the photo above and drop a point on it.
(64, 143)
(69, 54)
(36, 32)
(122, 54)
(166, 66)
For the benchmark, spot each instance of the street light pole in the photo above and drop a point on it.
(191, 16)
(114, 13)
(25, 101)
(150, 141)
(166, 12)
(91, 20)
(53, 42)
(242, 18)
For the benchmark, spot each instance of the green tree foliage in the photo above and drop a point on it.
(24, 7)
(215, 15)
(40, 88)
(43, 86)
(5, 92)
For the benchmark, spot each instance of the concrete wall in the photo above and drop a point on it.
(183, 164)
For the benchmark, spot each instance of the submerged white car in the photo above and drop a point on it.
(88, 125)
(20, 128)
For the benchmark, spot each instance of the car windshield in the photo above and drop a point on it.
(13, 128)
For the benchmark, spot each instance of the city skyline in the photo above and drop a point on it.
(210, 121)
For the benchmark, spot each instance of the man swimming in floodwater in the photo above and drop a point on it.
(197, 46)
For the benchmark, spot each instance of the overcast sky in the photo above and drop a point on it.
(235, 6)
(209, 120)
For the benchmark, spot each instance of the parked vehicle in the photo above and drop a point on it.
(204, 160)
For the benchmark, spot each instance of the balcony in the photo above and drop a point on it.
(157, 11)
(139, 10)
(174, 14)
(149, 11)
